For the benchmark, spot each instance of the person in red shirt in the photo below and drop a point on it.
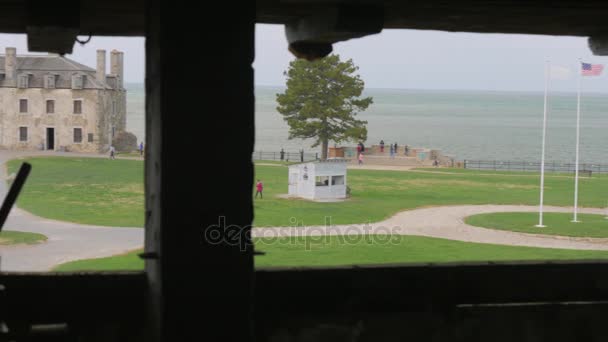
(259, 187)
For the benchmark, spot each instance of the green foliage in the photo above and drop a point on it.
(321, 101)
(595, 226)
(19, 238)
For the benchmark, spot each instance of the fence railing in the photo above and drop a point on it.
(285, 156)
(497, 165)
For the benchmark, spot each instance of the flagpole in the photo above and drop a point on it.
(578, 129)
(542, 158)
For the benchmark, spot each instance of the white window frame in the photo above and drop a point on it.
(19, 106)
(27, 134)
(26, 78)
(81, 106)
(54, 106)
(82, 135)
(46, 81)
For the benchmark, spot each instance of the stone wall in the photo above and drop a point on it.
(95, 103)
(114, 104)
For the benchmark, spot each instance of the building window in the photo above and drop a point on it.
(113, 131)
(90, 137)
(23, 106)
(24, 81)
(22, 133)
(77, 135)
(337, 180)
(49, 81)
(77, 106)
(77, 81)
(322, 181)
(50, 106)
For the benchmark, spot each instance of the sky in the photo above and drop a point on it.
(403, 59)
(134, 49)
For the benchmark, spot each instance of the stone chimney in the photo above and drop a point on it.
(10, 65)
(101, 66)
(116, 65)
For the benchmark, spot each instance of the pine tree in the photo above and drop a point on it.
(321, 101)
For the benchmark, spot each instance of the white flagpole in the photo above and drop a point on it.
(578, 129)
(542, 158)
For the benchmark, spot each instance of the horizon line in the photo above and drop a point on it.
(439, 89)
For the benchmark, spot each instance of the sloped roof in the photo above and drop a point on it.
(63, 68)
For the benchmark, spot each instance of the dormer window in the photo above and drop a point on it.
(49, 81)
(23, 81)
(77, 81)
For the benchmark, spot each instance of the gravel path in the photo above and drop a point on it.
(448, 223)
(69, 241)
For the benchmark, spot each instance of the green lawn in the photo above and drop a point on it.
(95, 191)
(123, 262)
(556, 223)
(376, 195)
(8, 237)
(110, 192)
(371, 249)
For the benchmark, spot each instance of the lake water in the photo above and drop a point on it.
(463, 124)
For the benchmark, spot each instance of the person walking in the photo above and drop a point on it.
(396, 149)
(259, 188)
(406, 150)
(392, 151)
(112, 152)
(361, 158)
(141, 149)
(358, 149)
(381, 146)
(282, 155)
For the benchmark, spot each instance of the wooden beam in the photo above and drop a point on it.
(199, 173)
(400, 288)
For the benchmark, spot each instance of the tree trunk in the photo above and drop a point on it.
(324, 149)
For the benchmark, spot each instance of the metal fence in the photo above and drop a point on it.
(285, 156)
(497, 165)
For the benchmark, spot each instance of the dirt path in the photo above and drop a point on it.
(447, 222)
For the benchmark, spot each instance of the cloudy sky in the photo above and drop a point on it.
(401, 59)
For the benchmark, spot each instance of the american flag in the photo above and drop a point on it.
(588, 69)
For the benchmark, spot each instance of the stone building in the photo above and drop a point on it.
(51, 102)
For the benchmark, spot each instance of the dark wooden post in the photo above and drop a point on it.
(199, 87)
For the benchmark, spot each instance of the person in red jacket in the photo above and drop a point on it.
(259, 187)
